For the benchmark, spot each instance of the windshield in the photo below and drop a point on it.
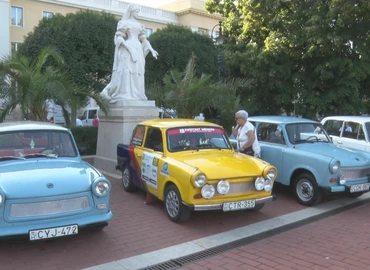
(180, 139)
(306, 132)
(36, 144)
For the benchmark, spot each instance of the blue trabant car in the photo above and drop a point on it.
(307, 159)
(46, 189)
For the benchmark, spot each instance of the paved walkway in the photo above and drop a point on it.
(339, 241)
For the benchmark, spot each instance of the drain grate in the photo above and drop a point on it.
(182, 261)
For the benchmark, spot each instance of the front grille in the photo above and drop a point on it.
(355, 174)
(242, 187)
(48, 208)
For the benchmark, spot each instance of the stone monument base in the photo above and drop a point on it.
(117, 127)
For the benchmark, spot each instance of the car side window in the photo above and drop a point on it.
(92, 114)
(154, 140)
(333, 127)
(350, 130)
(361, 135)
(271, 133)
(138, 135)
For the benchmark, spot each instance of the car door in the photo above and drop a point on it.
(333, 128)
(352, 136)
(272, 146)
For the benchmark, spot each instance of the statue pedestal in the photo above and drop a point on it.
(117, 127)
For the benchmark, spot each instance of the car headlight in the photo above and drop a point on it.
(101, 187)
(270, 173)
(268, 185)
(1, 199)
(334, 166)
(223, 187)
(208, 191)
(259, 184)
(342, 179)
(200, 180)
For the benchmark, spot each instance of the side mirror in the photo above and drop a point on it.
(81, 149)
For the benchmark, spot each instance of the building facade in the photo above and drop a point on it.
(19, 17)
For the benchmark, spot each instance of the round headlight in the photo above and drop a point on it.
(268, 185)
(200, 180)
(1, 199)
(223, 187)
(342, 179)
(334, 166)
(259, 183)
(208, 191)
(271, 173)
(101, 188)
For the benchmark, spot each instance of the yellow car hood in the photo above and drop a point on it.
(222, 164)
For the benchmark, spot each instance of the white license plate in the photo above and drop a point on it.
(53, 232)
(240, 205)
(360, 187)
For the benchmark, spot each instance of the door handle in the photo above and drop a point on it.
(339, 142)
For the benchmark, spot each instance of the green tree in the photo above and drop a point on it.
(312, 52)
(84, 40)
(30, 85)
(175, 45)
(190, 94)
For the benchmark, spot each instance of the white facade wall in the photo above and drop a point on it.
(4, 28)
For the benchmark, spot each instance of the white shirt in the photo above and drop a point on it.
(79, 122)
(243, 138)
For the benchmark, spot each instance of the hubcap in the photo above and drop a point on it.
(172, 204)
(125, 178)
(305, 190)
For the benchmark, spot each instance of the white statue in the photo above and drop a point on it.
(127, 81)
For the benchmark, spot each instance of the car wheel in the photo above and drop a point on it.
(126, 179)
(175, 209)
(306, 190)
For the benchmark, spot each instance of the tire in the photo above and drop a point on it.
(306, 190)
(127, 179)
(175, 209)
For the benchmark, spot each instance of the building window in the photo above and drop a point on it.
(202, 32)
(148, 31)
(14, 47)
(47, 14)
(16, 16)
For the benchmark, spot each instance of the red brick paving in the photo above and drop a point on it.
(135, 229)
(337, 242)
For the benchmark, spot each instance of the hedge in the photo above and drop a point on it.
(86, 139)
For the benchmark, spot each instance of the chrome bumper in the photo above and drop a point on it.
(218, 206)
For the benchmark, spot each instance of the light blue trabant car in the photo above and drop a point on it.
(308, 161)
(46, 189)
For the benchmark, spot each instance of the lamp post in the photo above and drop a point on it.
(219, 40)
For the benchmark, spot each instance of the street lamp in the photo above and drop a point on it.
(219, 40)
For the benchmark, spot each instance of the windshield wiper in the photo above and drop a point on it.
(207, 145)
(40, 155)
(11, 157)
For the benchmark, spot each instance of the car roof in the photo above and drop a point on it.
(276, 119)
(177, 122)
(29, 125)
(354, 118)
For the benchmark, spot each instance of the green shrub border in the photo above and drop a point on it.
(86, 139)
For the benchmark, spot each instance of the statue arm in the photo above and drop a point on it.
(147, 47)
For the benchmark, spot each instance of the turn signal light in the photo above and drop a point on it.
(198, 196)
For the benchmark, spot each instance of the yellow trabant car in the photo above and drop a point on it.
(191, 166)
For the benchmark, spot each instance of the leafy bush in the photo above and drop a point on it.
(86, 139)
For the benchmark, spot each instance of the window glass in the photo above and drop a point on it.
(16, 16)
(138, 135)
(272, 133)
(47, 14)
(14, 47)
(350, 130)
(148, 31)
(92, 114)
(333, 127)
(361, 135)
(154, 140)
(306, 132)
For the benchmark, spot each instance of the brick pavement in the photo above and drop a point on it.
(135, 229)
(338, 242)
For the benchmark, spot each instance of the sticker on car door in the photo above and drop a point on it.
(149, 169)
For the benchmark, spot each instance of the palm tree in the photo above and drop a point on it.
(190, 95)
(31, 85)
